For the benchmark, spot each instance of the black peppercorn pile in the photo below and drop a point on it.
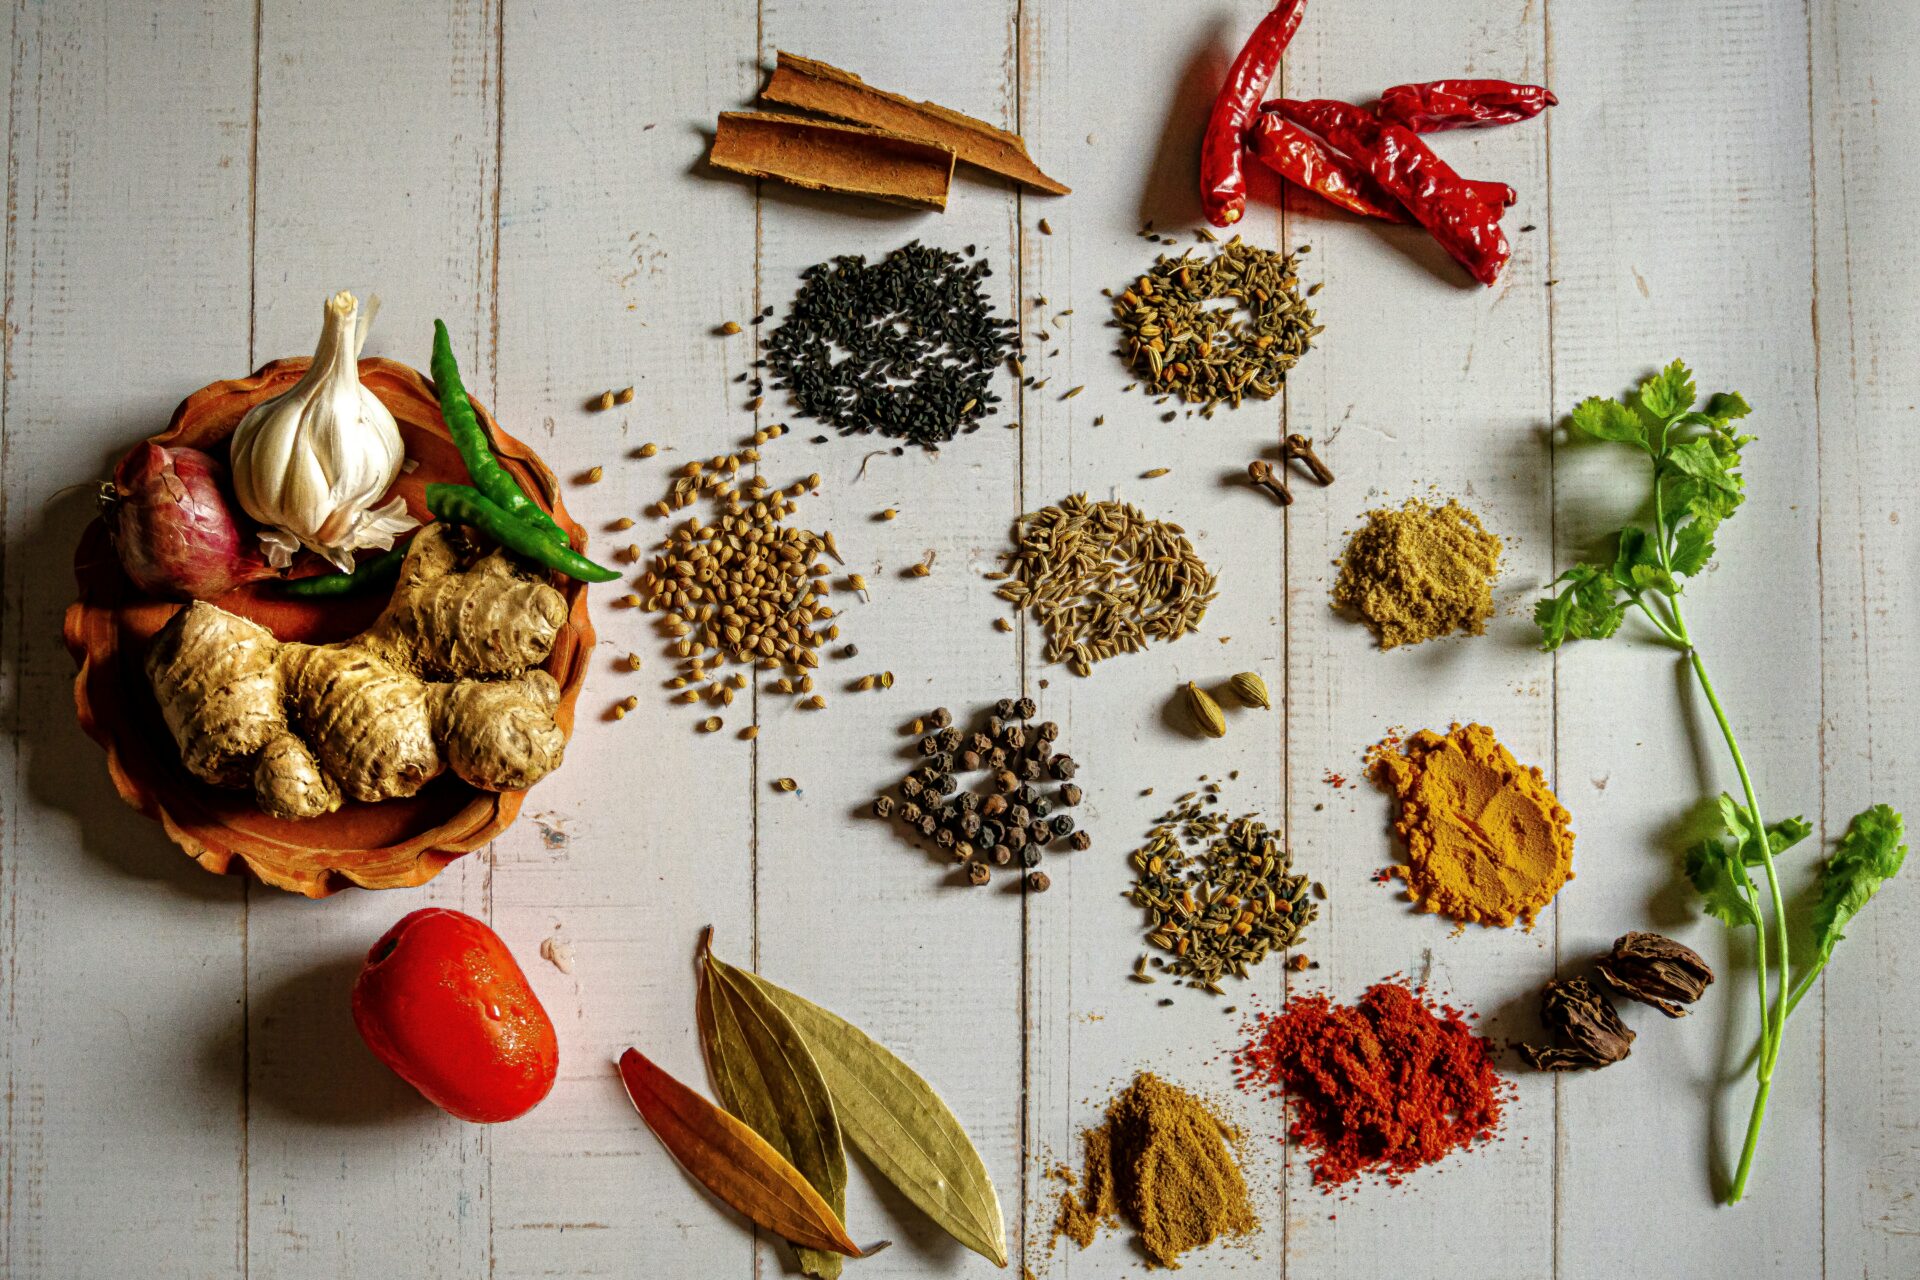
(1011, 816)
(906, 346)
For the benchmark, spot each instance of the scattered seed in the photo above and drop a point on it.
(730, 328)
(624, 396)
(1154, 474)
(786, 784)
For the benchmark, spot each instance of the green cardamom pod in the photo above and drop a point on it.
(1251, 689)
(1206, 712)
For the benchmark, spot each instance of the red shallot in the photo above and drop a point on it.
(176, 531)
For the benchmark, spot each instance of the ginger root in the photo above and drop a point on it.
(444, 678)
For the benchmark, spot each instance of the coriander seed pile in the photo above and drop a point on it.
(742, 586)
(1180, 345)
(1103, 579)
(1219, 893)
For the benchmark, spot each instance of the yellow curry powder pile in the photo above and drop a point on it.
(1420, 572)
(1487, 842)
(1161, 1163)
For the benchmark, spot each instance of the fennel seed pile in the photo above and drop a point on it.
(1102, 579)
(1181, 342)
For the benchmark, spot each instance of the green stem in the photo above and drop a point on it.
(1759, 1114)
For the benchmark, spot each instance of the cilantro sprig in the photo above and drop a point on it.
(1695, 487)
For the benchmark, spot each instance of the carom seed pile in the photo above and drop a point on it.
(1219, 893)
(907, 346)
(1161, 1162)
(1102, 579)
(741, 586)
(1419, 572)
(1009, 818)
(1180, 342)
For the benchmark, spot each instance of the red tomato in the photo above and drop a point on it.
(441, 1001)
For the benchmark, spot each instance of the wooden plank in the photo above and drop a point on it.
(1687, 248)
(376, 173)
(615, 267)
(1863, 193)
(848, 913)
(1426, 386)
(1090, 1027)
(121, 983)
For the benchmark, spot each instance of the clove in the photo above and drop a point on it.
(1300, 448)
(1265, 477)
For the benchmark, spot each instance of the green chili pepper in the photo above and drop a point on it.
(469, 506)
(378, 571)
(483, 468)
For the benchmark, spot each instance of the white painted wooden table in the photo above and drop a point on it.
(1729, 181)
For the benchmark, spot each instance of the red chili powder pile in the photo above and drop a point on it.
(1382, 1087)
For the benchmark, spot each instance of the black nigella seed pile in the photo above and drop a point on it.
(1008, 819)
(906, 346)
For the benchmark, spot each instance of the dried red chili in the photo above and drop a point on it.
(1457, 215)
(1306, 161)
(1384, 1086)
(1310, 162)
(1223, 178)
(1463, 104)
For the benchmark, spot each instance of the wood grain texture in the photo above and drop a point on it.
(121, 963)
(618, 258)
(183, 1092)
(347, 1168)
(849, 915)
(1708, 260)
(1866, 344)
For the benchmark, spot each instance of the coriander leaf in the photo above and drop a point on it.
(1669, 393)
(1726, 406)
(1781, 836)
(1692, 548)
(1634, 548)
(1725, 887)
(1585, 610)
(1554, 616)
(1608, 420)
(1651, 577)
(1868, 855)
(1698, 459)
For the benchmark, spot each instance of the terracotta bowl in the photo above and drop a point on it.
(377, 846)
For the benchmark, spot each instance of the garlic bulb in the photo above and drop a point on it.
(310, 464)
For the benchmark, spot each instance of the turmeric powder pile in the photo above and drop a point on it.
(1487, 842)
(1420, 572)
(1161, 1162)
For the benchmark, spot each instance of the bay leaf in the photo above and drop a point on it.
(898, 1122)
(731, 1160)
(765, 1075)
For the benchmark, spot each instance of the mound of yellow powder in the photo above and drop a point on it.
(1487, 842)
(1419, 572)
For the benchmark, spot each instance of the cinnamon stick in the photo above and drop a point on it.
(815, 86)
(833, 157)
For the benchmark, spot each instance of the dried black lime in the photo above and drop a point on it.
(906, 346)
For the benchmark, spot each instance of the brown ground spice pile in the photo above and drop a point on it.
(1161, 1163)
(1420, 572)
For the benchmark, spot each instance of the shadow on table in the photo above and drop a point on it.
(305, 1058)
(65, 770)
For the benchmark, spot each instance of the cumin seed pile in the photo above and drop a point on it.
(1103, 579)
